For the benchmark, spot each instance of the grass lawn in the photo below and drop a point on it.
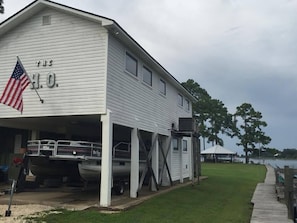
(224, 197)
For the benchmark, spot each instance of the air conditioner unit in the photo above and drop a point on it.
(187, 125)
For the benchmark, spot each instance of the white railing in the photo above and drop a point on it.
(63, 148)
(69, 149)
(122, 150)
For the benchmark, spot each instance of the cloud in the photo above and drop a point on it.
(239, 51)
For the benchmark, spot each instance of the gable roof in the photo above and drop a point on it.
(112, 26)
(217, 149)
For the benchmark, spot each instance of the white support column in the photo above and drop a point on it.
(106, 162)
(34, 134)
(155, 160)
(134, 172)
(181, 159)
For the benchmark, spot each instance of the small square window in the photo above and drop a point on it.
(147, 76)
(131, 64)
(46, 20)
(180, 99)
(175, 144)
(162, 87)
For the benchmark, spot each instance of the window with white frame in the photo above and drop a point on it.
(131, 64)
(175, 144)
(187, 105)
(147, 75)
(180, 100)
(162, 87)
(185, 145)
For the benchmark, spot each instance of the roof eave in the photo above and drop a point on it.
(38, 5)
(18, 17)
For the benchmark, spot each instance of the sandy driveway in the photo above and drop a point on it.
(19, 212)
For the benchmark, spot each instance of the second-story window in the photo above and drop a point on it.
(180, 100)
(147, 76)
(131, 64)
(175, 144)
(162, 87)
(187, 105)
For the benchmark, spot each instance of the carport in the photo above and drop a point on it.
(88, 128)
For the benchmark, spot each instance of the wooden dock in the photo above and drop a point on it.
(267, 208)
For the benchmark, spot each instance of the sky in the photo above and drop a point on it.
(240, 51)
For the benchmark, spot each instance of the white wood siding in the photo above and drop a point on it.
(78, 49)
(175, 165)
(135, 104)
(175, 162)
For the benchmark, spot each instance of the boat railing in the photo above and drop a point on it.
(78, 148)
(68, 149)
(63, 148)
(122, 150)
(45, 147)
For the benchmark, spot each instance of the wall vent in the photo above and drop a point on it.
(46, 20)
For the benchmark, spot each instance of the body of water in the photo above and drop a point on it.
(277, 162)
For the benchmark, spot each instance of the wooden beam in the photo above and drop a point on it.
(165, 164)
(148, 156)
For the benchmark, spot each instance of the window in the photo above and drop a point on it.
(162, 87)
(147, 76)
(187, 105)
(131, 64)
(185, 146)
(175, 144)
(180, 100)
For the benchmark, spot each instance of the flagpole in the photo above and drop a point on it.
(41, 100)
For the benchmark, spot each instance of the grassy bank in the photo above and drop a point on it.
(224, 197)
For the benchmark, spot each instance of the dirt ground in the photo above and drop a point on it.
(19, 212)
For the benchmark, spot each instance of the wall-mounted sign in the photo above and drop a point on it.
(50, 76)
(44, 63)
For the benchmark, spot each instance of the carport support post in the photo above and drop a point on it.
(134, 179)
(106, 162)
(34, 135)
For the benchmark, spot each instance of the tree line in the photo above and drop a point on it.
(214, 120)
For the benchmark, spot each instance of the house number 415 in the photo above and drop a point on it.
(50, 80)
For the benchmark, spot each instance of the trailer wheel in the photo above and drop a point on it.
(119, 189)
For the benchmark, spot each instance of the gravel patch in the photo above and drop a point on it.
(19, 212)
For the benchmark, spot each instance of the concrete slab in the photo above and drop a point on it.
(78, 199)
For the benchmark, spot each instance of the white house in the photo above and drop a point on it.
(98, 84)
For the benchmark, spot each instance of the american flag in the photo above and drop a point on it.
(13, 92)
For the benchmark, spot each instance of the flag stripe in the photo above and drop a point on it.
(5, 93)
(13, 92)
